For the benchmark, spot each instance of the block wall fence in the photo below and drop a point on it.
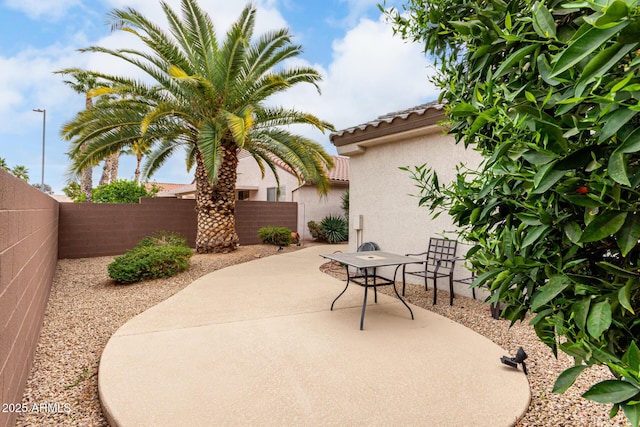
(36, 231)
(28, 255)
(97, 229)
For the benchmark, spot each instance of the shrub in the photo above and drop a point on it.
(162, 237)
(335, 228)
(149, 262)
(122, 191)
(280, 236)
(316, 231)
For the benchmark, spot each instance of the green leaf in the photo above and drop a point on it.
(624, 296)
(599, 319)
(513, 59)
(546, 177)
(546, 293)
(611, 391)
(632, 358)
(614, 121)
(573, 231)
(567, 378)
(628, 236)
(617, 169)
(632, 412)
(583, 46)
(618, 271)
(463, 109)
(543, 22)
(604, 225)
(631, 143)
(533, 235)
(601, 63)
(581, 311)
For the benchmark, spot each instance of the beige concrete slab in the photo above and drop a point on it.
(271, 353)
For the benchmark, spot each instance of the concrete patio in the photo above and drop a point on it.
(256, 344)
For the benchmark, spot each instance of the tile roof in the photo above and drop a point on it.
(391, 117)
(340, 171)
(163, 186)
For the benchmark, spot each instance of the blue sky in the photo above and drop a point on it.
(367, 71)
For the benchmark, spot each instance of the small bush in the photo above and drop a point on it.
(149, 262)
(316, 231)
(162, 238)
(280, 236)
(335, 228)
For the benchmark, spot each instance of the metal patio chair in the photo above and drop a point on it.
(439, 262)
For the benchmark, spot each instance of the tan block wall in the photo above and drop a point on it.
(90, 230)
(28, 254)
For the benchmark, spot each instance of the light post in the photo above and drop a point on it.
(44, 126)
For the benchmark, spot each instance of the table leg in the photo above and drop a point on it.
(364, 306)
(398, 295)
(344, 290)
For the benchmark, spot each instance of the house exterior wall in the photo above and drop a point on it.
(381, 193)
(314, 207)
(28, 255)
(249, 176)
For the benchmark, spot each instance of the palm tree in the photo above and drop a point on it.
(209, 99)
(3, 164)
(83, 83)
(21, 172)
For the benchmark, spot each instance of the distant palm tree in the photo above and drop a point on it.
(21, 172)
(83, 83)
(208, 99)
(3, 164)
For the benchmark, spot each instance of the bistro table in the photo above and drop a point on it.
(365, 274)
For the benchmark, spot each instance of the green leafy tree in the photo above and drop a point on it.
(208, 99)
(548, 93)
(122, 191)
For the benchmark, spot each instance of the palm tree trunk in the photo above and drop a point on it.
(115, 163)
(86, 184)
(104, 178)
(136, 176)
(216, 205)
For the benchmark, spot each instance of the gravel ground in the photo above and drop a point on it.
(86, 307)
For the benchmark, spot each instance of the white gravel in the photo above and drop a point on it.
(86, 307)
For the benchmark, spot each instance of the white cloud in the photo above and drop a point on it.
(372, 73)
(36, 9)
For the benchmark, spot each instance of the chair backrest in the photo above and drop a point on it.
(442, 249)
(366, 247)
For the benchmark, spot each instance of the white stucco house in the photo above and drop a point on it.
(251, 186)
(382, 208)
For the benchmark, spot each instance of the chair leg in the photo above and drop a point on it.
(451, 294)
(435, 289)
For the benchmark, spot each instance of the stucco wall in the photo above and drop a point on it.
(314, 207)
(381, 193)
(249, 176)
(28, 255)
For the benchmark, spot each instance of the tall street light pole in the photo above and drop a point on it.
(44, 127)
